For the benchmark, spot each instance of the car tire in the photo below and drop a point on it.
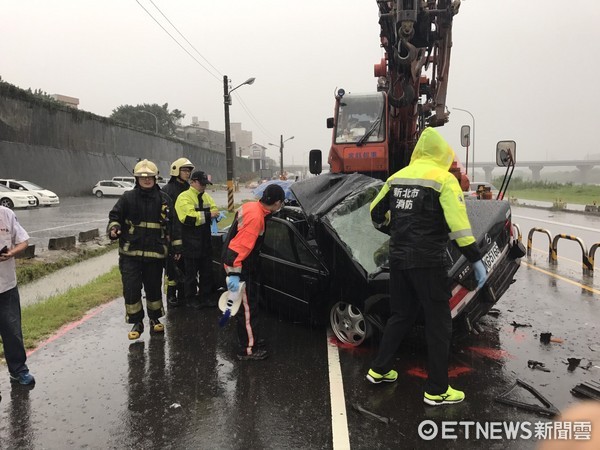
(37, 202)
(99, 194)
(349, 324)
(7, 202)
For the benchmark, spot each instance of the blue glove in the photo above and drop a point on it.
(221, 216)
(480, 273)
(233, 282)
(214, 229)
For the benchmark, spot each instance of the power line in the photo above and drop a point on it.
(177, 42)
(186, 40)
(252, 117)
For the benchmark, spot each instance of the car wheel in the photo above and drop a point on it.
(99, 194)
(37, 202)
(349, 324)
(7, 202)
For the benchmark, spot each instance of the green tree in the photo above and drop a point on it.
(149, 117)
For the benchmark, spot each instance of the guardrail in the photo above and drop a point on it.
(587, 258)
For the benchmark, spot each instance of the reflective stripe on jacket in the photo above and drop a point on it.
(195, 225)
(422, 206)
(145, 218)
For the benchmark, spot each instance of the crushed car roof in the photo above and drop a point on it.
(318, 195)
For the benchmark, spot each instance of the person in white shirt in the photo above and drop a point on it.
(13, 240)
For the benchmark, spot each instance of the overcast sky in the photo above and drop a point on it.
(526, 70)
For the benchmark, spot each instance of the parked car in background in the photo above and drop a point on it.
(126, 179)
(323, 260)
(43, 197)
(111, 187)
(15, 199)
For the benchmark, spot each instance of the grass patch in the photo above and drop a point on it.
(29, 270)
(43, 319)
(573, 194)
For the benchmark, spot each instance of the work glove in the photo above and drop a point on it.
(233, 282)
(221, 216)
(114, 233)
(480, 273)
(214, 229)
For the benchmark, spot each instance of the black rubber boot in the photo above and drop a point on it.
(172, 299)
(136, 331)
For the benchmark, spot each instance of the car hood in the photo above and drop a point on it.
(318, 195)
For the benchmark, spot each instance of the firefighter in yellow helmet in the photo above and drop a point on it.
(180, 172)
(142, 221)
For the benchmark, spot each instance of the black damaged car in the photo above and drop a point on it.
(324, 261)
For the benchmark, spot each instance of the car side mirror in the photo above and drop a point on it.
(506, 153)
(315, 162)
(330, 122)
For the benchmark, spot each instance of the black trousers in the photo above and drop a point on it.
(247, 317)
(198, 279)
(135, 274)
(175, 271)
(409, 289)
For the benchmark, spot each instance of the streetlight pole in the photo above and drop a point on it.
(473, 146)
(155, 120)
(281, 142)
(228, 147)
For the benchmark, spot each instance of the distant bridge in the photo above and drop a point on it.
(584, 166)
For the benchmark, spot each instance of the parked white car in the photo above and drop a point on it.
(15, 199)
(43, 197)
(111, 187)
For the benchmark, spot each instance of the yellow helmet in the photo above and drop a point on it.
(145, 168)
(178, 164)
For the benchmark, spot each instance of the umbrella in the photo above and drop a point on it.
(285, 184)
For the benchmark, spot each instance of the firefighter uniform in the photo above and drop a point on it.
(421, 207)
(142, 220)
(180, 172)
(195, 210)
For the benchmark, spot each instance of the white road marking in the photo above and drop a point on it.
(596, 230)
(67, 226)
(339, 422)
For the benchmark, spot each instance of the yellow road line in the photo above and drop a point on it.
(575, 283)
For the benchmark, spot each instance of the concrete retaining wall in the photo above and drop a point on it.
(68, 151)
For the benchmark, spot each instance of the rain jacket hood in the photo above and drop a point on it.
(433, 148)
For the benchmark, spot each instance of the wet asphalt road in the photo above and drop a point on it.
(185, 389)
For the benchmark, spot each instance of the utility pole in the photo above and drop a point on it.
(228, 148)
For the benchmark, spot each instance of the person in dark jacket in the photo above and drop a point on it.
(241, 262)
(142, 220)
(422, 206)
(195, 210)
(180, 172)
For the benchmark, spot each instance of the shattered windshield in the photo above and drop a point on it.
(351, 219)
(360, 116)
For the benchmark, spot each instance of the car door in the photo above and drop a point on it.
(292, 277)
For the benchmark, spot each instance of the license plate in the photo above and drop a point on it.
(491, 257)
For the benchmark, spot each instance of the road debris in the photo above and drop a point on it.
(573, 363)
(545, 338)
(587, 390)
(175, 406)
(547, 408)
(537, 365)
(370, 414)
(518, 325)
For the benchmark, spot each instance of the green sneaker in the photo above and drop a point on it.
(377, 378)
(449, 397)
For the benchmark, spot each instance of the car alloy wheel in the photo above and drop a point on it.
(349, 323)
(99, 194)
(7, 202)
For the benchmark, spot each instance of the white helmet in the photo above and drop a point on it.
(178, 164)
(145, 168)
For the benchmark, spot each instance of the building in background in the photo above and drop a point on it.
(65, 99)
